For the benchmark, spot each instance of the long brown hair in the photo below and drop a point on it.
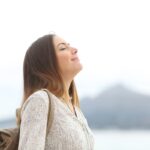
(41, 70)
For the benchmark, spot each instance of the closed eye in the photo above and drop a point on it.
(62, 49)
(63, 46)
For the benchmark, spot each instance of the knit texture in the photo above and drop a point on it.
(67, 131)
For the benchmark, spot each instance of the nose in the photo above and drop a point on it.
(74, 50)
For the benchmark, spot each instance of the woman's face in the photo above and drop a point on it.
(67, 57)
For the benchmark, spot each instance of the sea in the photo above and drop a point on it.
(122, 139)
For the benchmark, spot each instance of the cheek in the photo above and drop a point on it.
(63, 60)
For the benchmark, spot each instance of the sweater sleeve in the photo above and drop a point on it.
(34, 122)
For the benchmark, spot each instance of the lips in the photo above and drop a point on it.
(75, 58)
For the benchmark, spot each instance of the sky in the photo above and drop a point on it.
(112, 38)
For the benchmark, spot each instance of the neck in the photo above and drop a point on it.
(67, 79)
(66, 95)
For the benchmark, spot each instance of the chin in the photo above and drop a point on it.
(81, 67)
(78, 69)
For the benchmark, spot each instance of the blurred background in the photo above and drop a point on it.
(113, 41)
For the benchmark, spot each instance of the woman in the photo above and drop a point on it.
(51, 63)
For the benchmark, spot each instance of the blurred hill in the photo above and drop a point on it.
(8, 123)
(116, 107)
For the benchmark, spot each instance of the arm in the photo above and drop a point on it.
(34, 123)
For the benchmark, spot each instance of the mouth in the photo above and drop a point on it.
(75, 59)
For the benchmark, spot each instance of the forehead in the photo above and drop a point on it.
(57, 40)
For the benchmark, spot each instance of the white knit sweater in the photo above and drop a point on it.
(67, 132)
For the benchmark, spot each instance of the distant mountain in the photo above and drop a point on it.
(117, 107)
(8, 123)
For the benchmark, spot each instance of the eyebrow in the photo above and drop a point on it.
(66, 44)
(60, 44)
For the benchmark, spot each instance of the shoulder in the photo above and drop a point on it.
(36, 99)
(39, 95)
